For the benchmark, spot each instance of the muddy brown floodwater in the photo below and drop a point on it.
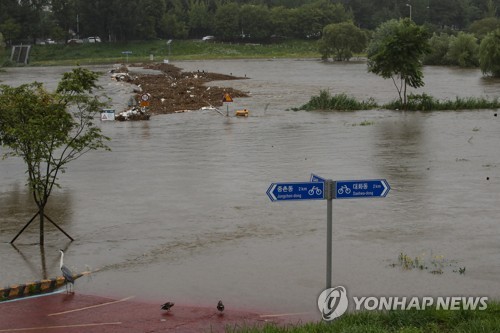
(178, 210)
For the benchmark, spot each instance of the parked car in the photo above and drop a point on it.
(94, 39)
(50, 41)
(75, 41)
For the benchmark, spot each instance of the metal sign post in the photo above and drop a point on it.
(227, 99)
(320, 188)
(329, 232)
(127, 53)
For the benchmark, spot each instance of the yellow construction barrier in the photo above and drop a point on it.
(242, 113)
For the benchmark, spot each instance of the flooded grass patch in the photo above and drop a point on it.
(434, 264)
(424, 102)
(342, 102)
(365, 123)
(416, 102)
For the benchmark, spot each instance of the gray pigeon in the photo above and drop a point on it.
(220, 306)
(167, 306)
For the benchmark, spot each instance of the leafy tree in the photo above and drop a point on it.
(49, 130)
(463, 50)
(491, 9)
(370, 14)
(341, 40)
(173, 27)
(64, 12)
(489, 54)
(2, 47)
(151, 13)
(97, 18)
(257, 29)
(439, 46)
(282, 21)
(396, 52)
(31, 15)
(200, 19)
(481, 28)
(11, 29)
(310, 19)
(227, 21)
(450, 13)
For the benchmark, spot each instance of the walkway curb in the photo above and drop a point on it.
(36, 287)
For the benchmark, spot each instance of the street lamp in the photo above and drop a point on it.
(168, 44)
(408, 5)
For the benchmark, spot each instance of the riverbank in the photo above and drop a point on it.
(159, 50)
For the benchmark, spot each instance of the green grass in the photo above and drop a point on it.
(423, 102)
(325, 101)
(47, 55)
(424, 321)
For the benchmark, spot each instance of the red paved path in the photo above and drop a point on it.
(74, 313)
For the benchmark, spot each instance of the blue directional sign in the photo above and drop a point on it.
(296, 191)
(316, 178)
(352, 189)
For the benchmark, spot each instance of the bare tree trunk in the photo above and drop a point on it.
(42, 218)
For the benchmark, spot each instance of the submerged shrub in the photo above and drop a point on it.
(489, 54)
(325, 101)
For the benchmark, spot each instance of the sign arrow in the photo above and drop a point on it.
(296, 191)
(353, 189)
(316, 178)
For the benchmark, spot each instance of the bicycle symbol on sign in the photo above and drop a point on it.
(316, 190)
(343, 189)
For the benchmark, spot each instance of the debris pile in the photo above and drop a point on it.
(174, 90)
(134, 113)
(121, 74)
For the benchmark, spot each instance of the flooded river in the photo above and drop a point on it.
(178, 210)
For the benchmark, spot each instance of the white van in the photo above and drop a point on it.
(94, 39)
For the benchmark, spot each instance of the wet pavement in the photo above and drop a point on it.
(63, 312)
(179, 209)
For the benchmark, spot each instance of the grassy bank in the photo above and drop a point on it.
(47, 55)
(424, 321)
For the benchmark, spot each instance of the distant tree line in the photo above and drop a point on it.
(463, 32)
(255, 20)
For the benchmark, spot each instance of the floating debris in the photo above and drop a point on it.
(134, 113)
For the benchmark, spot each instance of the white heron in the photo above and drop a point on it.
(68, 275)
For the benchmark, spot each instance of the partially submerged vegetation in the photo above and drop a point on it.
(435, 264)
(412, 321)
(415, 102)
(325, 101)
(424, 102)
